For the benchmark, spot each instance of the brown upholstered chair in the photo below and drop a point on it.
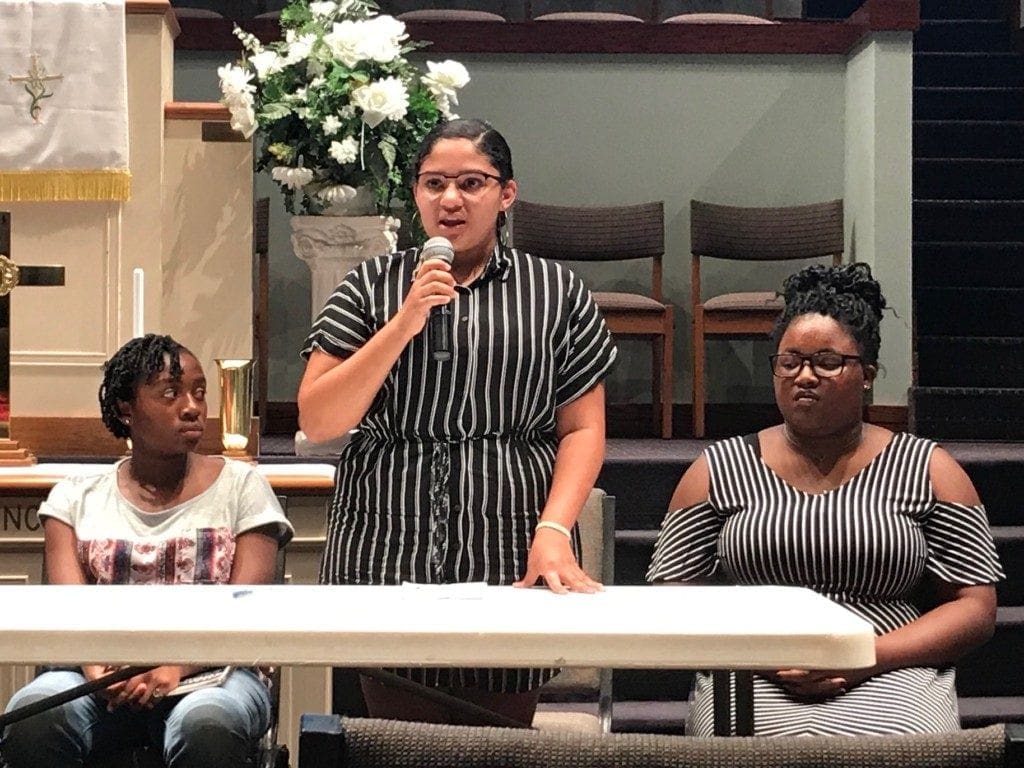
(453, 10)
(750, 234)
(593, 11)
(612, 233)
(706, 11)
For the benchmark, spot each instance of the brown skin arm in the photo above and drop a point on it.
(255, 556)
(580, 429)
(335, 393)
(963, 619)
(694, 488)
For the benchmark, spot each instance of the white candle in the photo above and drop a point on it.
(138, 306)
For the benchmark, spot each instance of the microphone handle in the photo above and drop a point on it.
(439, 333)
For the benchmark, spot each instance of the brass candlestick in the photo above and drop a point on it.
(235, 406)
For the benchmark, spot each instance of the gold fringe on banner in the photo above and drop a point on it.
(43, 186)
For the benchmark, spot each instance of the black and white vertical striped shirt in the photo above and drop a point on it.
(452, 463)
(868, 545)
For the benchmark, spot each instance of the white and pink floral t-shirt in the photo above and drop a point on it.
(192, 543)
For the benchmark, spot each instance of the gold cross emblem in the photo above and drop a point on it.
(35, 85)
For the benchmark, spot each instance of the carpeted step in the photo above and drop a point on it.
(962, 9)
(950, 413)
(963, 35)
(968, 69)
(979, 711)
(993, 669)
(968, 220)
(954, 178)
(968, 138)
(970, 312)
(1010, 544)
(667, 717)
(938, 103)
(633, 550)
(969, 361)
(969, 265)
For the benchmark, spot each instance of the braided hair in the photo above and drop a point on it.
(847, 293)
(137, 362)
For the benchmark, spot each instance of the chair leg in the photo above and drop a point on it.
(657, 393)
(665, 376)
(698, 373)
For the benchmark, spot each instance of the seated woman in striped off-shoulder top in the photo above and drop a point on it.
(864, 516)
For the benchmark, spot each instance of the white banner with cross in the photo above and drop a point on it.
(63, 100)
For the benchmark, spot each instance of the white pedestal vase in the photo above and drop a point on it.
(332, 246)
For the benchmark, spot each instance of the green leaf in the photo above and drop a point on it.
(275, 111)
(389, 150)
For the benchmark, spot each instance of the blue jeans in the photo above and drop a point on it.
(218, 726)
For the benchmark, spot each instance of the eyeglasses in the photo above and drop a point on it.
(826, 365)
(470, 183)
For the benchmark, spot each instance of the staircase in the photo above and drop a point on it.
(643, 473)
(968, 220)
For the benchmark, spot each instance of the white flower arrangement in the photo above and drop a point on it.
(335, 105)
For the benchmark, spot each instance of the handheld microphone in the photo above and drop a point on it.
(439, 324)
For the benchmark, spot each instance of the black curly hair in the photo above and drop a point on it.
(137, 362)
(847, 293)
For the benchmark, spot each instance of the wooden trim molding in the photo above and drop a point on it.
(785, 37)
(155, 8)
(196, 110)
(87, 437)
(888, 15)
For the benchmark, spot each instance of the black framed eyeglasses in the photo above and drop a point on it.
(468, 183)
(826, 365)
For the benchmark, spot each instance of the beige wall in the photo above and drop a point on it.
(206, 291)
(747, 130)
(877, 192)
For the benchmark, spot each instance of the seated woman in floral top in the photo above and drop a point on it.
(165, 515)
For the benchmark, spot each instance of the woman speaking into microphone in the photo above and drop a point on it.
(471, 463)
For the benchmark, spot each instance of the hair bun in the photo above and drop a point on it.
(845, 280)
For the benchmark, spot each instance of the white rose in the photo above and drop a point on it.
(293, 178)
(323, 9)
(345, 151)
(444, 104)
(385, 99)
(243, 120)
(234, 81)
(266, 63)
(445, 78)
(299, 48)
(382, 38)
(339, 193)
(345, 41)
(331, 125)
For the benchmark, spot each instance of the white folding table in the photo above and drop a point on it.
(717, 628)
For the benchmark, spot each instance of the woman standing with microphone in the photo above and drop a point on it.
(470, 468)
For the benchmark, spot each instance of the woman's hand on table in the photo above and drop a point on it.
(551, 559)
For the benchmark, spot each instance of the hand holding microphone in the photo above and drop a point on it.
(439, 322)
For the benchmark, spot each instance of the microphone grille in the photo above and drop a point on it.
(439, 248)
